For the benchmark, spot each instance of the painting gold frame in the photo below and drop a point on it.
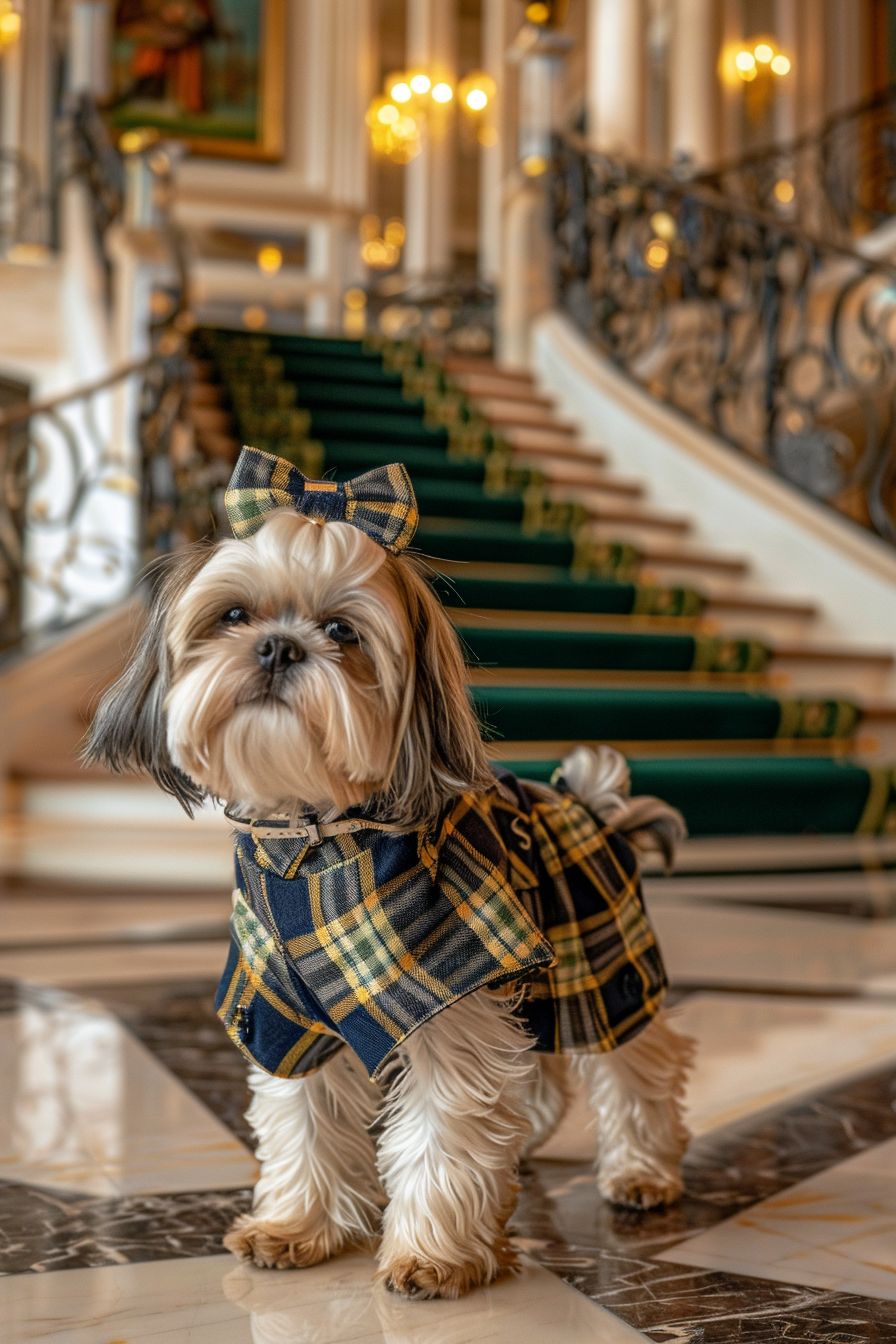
(268, 145)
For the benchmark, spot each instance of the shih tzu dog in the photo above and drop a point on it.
(473, 939)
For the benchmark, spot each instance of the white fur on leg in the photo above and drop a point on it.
(548, 1097)
(454, 1129)
(637, 1093)
(318, 1190)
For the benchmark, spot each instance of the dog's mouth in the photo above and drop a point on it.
(268, 690)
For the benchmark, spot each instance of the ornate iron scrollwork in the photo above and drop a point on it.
(780, 343)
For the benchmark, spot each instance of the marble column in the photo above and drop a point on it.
(615, 75)
(429, 195)
(694, 81)
(35, 138)
(494, 159)
(89, 48)
(787, 103)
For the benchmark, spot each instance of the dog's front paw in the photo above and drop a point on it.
(640, 1189)
(419, 1276)
(279, 1245)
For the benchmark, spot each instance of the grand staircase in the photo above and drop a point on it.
(584, 611)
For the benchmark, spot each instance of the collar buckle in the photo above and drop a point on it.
(312, 832)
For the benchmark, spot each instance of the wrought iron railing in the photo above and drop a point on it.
(444, 314)
(79, 512)
(96, 480)
(780, 343)
(837, 181)
(22, 203)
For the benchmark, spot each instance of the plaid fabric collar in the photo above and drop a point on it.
(380, 503)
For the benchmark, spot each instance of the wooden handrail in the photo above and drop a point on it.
(25, 410)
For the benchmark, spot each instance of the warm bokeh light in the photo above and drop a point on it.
(420, 83)
(10, 24)
(763, 52)
(354, 299)
(781, 64)
(656, 254)
(745, 61)
(663, 225)
(476, 100)
(254, 317)
(269, 258)
(401, 92)
(442, 92)
(533, 165)
(784, 191)
(536, 12)
(388, 114)
(394, 232)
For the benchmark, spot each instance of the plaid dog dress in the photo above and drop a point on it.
(361, 938)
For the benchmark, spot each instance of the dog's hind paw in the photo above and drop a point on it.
(640, 1189)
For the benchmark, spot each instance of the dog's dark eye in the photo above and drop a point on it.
(341, 632)
(235, 616)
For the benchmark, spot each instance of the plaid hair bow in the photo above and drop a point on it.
(380, 503)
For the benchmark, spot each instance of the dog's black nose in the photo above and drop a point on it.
(276, 653)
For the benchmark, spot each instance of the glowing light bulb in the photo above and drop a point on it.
(533, 165)
(656, 254)
(538, 12)
(476, 100)
(269, 258)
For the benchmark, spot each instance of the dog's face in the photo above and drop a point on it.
(304, 666)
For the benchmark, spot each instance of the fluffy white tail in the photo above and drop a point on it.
(602, 779)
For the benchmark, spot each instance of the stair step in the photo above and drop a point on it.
(636, 652)
(562, 595)
(750, 795)
(511, 416)
(626, 516)
(493, 387)
(571, 714)
(556, 447)
(442, 539)
(484, 367)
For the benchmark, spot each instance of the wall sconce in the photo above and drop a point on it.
(381, 249)
(10, 24)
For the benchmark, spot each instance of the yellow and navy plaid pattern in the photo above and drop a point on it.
(361, 939)
(380, 503)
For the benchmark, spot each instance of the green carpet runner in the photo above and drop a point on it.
(338, 408)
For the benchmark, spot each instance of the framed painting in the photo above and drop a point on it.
(207, 72)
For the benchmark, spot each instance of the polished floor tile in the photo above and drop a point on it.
(705, 946)
(754, 1052)
(216, 1301)
(835, 1231)
(115, 963)
(86, 1108)
(37, 919)
(877, 890)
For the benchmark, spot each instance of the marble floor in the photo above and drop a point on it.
(125, 1155)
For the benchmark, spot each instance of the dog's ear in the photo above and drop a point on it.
(441, 752)
(129, 731)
